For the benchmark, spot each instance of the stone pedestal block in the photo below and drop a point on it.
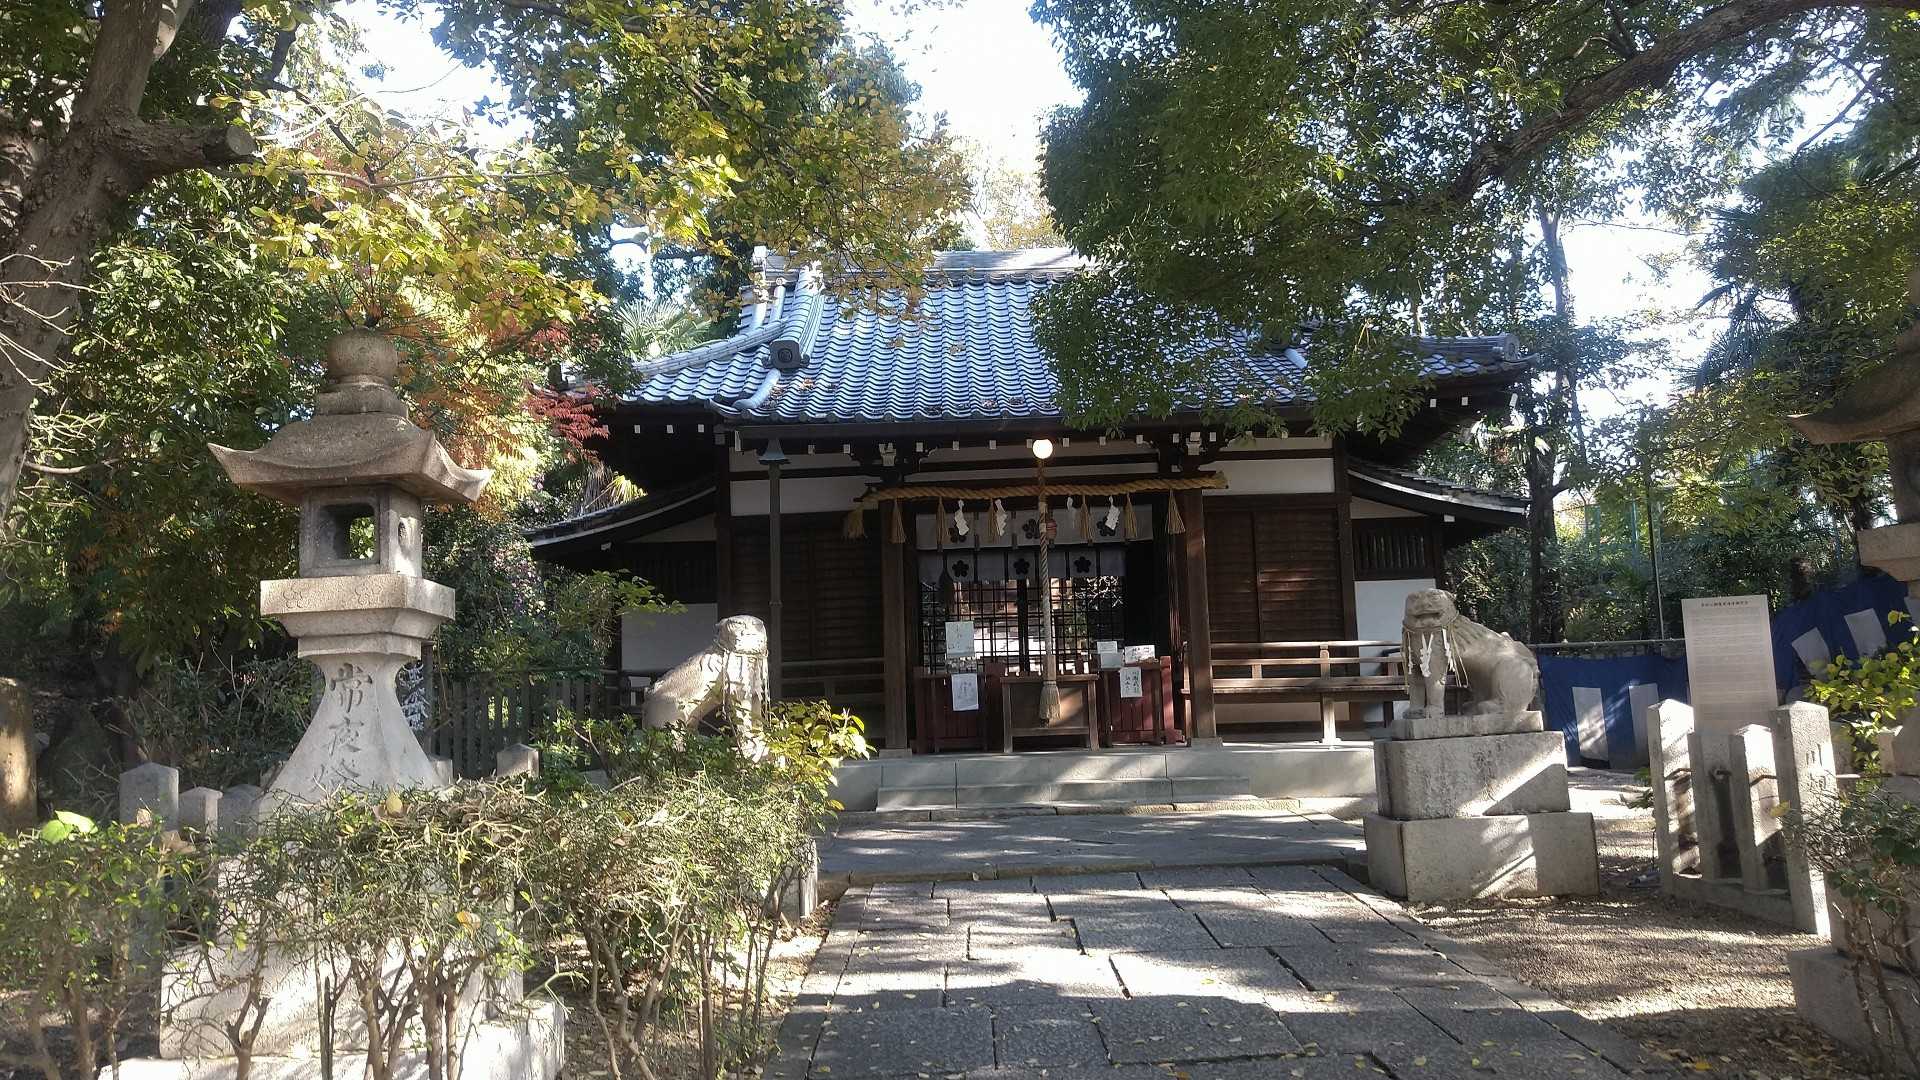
(1456, 726)
(18, 808)
(1460, 858)
(1824, 995)
(1521, 773)
(526, 1044)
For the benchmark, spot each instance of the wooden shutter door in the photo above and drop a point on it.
(1273, 572)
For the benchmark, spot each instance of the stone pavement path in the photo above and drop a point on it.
(1230, 973)
(1010, 846)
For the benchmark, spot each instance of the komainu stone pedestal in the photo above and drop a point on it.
(1477, 815)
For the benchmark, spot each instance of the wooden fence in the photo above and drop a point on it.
(475, 716)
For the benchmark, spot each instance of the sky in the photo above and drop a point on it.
(994, 74)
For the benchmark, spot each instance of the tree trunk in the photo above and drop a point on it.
(1549, 417)
(63, 196)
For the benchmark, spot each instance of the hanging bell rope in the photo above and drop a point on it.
(1029, 489)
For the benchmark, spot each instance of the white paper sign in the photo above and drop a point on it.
(1139, 653)
(1130, 682)
(960, 637)
(1106, 646)
(966, 691)
(1729, 661)
(1110, 659)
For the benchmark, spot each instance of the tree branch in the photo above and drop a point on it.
(157, 150)
(1495, 157)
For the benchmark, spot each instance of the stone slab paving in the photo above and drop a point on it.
(1216, 973)
(1019, 846)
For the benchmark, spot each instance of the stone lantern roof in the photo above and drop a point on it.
(359, 435)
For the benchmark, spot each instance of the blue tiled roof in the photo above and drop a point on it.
(969, 354)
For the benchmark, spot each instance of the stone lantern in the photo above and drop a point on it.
(362, 475)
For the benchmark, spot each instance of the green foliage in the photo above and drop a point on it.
(519, 614)
(1873, 693)
(82, 905)
(659, 898)
(672, 880)
(807, 740)
(1374, 171)
(189, 339)
(222, 725)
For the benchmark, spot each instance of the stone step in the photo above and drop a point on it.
(1044, 792)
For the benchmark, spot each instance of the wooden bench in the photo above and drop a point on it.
(1258, 673)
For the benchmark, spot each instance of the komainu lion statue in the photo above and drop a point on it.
(729, 675)
(1499, 673)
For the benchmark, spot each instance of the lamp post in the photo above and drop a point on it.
(1049, 668)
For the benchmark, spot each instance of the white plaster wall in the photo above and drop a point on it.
(1367, 508)
(1275, 476)
(799, 495)
(652, 640)
(1379, 607)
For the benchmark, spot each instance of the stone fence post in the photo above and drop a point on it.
(18, 809)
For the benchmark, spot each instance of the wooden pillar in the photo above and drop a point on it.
(723, 531)
(774, 459)
(1343, 490)
(1176, 642)
(1194, 620)
(893, 631)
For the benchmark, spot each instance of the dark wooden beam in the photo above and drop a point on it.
(1196, 618)
(723, 532)
(893, 623)
(1343, 491)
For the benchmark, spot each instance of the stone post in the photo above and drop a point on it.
(239, 808)
(153, 788)
(18, 808)
(1711, 758)
(1756, 800)
(517, 760)
(200, 810)
(1802, 758)
(1669, 733)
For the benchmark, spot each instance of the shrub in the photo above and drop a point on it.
(224, 725)
(1868, 847)
(84, 907)
(1872, 693)
(417, 883)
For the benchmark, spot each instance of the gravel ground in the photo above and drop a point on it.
(1704, 986)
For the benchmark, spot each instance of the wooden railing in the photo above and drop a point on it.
(1326, 672)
